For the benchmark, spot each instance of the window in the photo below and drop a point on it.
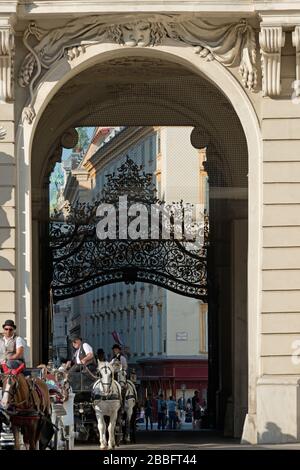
(134, 334)
(142, 333)
(151, 332)
(158, 141)
(159, 331)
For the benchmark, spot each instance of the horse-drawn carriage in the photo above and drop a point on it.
(104, 405)
(38, 403)
(79, 405)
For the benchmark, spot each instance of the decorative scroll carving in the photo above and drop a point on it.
(230, 44)
(271, 40)
(3, 132)
(6, 62)
(296, 44)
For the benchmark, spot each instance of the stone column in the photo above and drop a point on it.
(7, 176)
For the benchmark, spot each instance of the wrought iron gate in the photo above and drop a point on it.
(83, 262)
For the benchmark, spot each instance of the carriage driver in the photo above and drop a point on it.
(118, 357)
(83, 356)
(11, 346)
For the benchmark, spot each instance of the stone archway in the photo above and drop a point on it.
(61, 74)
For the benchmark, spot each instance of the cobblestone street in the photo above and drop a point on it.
(187, 440)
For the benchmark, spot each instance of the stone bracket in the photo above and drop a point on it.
(271, 40)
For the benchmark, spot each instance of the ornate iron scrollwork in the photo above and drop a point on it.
(82, 262)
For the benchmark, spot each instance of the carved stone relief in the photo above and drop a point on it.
(230, 44)
(271, 40)
(3, 132)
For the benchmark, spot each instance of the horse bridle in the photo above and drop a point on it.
(13, 389)
(105, 383)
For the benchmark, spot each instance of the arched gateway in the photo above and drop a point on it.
(166, 70)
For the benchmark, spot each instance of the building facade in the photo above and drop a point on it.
(236, 82)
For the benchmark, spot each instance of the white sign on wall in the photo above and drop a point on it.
(181, 336)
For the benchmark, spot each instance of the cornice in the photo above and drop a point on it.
(29, 9)
(120, 144)
(32, 9)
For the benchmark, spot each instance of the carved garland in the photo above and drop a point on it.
(230, 44)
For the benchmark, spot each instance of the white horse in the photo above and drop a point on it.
(107, 402)
(129, 395)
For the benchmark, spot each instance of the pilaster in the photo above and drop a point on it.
(7, 175)
(296, 44)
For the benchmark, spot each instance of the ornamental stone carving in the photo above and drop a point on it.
(3, 132)
(230, 44)
(271, 40)
(6, 61)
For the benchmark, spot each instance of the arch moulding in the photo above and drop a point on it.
(58, 75)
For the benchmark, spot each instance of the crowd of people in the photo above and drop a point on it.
(169, 414)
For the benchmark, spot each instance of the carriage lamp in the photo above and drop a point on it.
(81, 410)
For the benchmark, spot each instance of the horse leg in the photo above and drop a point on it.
(102, 430)
(111, 430)
(16, 433)
(32, 435)
(128, 421)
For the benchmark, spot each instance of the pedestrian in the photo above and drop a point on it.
(149, 413)
(172, 412)
(161, 412)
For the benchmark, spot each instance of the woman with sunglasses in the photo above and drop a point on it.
(11, 346)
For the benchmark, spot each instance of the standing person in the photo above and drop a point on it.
(161, 412)
(148, 413)
(195, 407)
(12, 346)
(83, 355)
(118, 356)
(188, 411)
(172, 413)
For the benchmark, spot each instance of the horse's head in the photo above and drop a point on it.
(105, 372)
(122, 377)
(9, 388)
